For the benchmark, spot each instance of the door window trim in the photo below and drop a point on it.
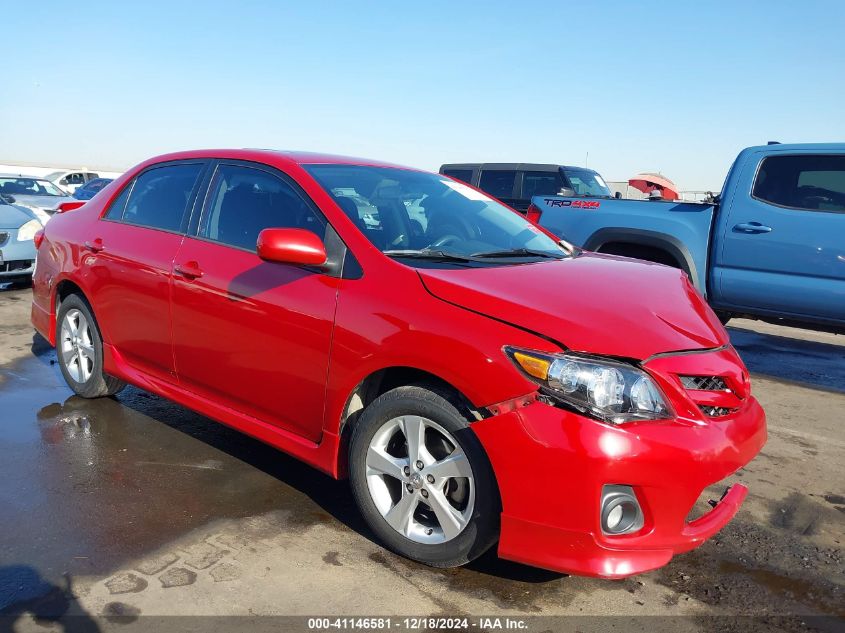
(784, 206)
(345, 266)
(203, 209)
(187, 213)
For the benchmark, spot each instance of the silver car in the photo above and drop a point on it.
(38, 194)
(18, 226)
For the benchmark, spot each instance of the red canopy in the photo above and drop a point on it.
(648, 182)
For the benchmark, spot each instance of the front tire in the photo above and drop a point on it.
(79, 347)
(422, 480)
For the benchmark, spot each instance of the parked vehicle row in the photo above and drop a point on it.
(479, 382)
(772, 246)
(516, 184)
(70, 181)
(39, 195)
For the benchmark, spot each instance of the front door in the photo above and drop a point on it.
(783, 247)
(249, 334)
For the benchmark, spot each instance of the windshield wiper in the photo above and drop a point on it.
(517, 252)
(427, 253)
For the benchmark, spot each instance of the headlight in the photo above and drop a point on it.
(608, 390)
(27, 231)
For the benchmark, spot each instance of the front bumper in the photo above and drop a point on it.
(17, 259)
(551, 464)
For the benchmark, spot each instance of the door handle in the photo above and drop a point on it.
(95, 245)
(752, 227)
(189, 270)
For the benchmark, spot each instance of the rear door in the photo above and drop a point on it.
(248, 334)
(783, 238)
(132, 249)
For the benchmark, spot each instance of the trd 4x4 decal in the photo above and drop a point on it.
(578, 204)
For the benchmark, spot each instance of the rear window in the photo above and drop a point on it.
(498, 183)
(809, 182)
(464, 175)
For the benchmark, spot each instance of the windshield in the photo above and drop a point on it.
(29, 187)
(586, 182)
(411, 213)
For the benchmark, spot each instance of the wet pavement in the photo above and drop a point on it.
(133, 505)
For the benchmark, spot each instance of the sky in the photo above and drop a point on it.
(623, 87)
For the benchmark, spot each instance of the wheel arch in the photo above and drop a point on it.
(62, 290)
(383, 380)
(669, 245)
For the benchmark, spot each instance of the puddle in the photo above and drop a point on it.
(86, 485)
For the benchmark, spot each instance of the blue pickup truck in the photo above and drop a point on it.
(771, 247)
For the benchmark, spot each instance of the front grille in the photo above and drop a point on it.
(3, 237)
(18, 264)
(715, 412)
(704, 383)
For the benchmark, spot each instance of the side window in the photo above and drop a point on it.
(814, 182)
(91, 175)
(243, 201)
(75, 179)
(498, 183)
(541, 183)
(118, 205)
(464, 175)
(159, 196)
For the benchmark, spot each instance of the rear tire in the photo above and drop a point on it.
(79, 347)
(443, 514)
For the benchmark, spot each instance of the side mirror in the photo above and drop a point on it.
(63, 181)
(7, 198)
(291, 246)
(618, 195)
(566, 192)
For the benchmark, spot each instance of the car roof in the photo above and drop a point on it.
(272, 156)
(514, 166)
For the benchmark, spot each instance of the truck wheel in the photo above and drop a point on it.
(79, 347)
(421, 479)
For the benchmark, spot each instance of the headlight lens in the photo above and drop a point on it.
(42, 215)
(608, 390)
(27, 231)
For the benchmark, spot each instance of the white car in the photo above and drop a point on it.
(70, 181)
(36, 194)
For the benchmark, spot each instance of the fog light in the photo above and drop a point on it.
(620, 510)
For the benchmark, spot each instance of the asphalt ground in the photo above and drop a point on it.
(116, 512)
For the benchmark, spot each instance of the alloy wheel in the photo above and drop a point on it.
(420, 479)
(77, 348)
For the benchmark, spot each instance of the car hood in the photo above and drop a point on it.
(42, 202)
(597, 304)
(12, 217)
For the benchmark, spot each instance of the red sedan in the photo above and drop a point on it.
(478, 381)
